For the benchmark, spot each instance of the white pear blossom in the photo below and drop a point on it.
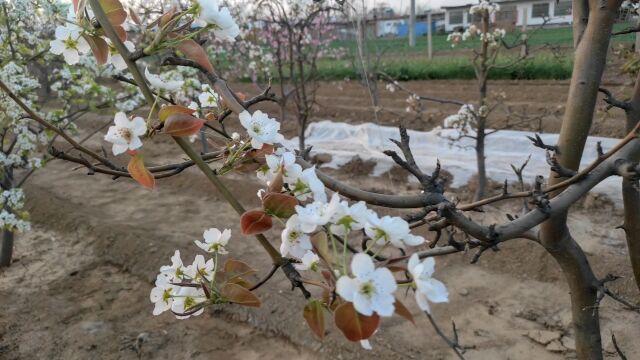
(215, 241)
(310, 261)
(116, 59)
(286, 162)
(261, 128)
(428, 288)
(69, 43)
(162, 294)
(295, 241)
(176, 270)
(125, 135)
(211, 13)
(317, 213)
(484, 5)
(348, 218)
(187, 299)
(371, 290)
(308, 185)
(366, 344)
(158, 83)
(390, 229)
(199, 268)
(208, 98)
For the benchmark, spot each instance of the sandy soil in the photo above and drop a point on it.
(79, 287)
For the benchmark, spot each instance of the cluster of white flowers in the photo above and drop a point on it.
(414, 105)
(371, 290)
(455, 37)
(391, 87)
(180, 287)
(261, 128)
(11, 216)
(210, 12)
(70, 42)
(208, 97)
(464, 121)
(483, 6)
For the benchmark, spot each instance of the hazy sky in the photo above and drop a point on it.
(402, 5)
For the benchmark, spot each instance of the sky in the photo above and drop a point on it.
(402, 5)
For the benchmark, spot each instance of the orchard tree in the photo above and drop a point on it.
(324, 219)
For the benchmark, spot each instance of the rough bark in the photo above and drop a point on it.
(592, 43)
(631, 195)
(6, 253)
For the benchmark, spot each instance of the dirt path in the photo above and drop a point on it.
(80, 286)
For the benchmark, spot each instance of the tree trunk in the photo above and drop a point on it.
(630, 194)
(481, 162)
(6, 253)
(590, 59)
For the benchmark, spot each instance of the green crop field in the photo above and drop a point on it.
(561, 36)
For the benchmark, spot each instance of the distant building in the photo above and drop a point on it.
(398, 26)
(513, 13)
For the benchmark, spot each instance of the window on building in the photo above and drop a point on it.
(540, 10)
(507, 13)
(563, 8)
(455, 17)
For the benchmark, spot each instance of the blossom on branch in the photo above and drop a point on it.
(428, 288)
(125, 135)
(310, 261)
(391, 230)
(69, 43)
(261, 128)
(160, 84)
(209, 12)
(371, 290)
(215, 241)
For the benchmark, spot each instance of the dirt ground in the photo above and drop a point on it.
(79, 287)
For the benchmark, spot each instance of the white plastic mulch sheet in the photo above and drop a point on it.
(345, 141)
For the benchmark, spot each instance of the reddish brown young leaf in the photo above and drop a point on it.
(192, 50)
(134, 16)
(239, 295)
(276, 183)
(403, 311)
(167, 110)
(255, 222)
(164, 18)
(238, 267)
(122, 33)
(139, 172)
(179, 124)
(279, 205)
(114, 10)
(354, 325)
(99, 47)
(314, 314)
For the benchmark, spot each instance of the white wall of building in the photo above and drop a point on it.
(524, 10)
(448, 26)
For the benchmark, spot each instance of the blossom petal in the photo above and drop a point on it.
(362, 265)
(362, 304)
(347, 287)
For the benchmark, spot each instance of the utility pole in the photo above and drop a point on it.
(412, 24)
(429, 38)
